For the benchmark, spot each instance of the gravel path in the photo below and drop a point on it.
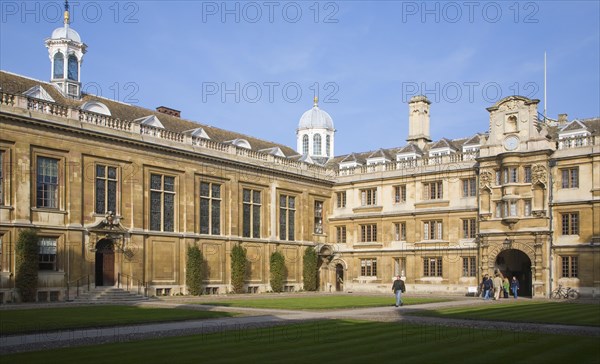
(252, 318)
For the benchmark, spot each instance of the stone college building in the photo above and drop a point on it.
(117, 193)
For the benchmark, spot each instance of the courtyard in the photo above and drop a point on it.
(303, 327)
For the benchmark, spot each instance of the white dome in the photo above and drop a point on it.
(316, 118)
(66, 32)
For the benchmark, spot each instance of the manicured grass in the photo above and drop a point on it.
(336, 341)
(524, 311)
(320, 302)
(60, 318)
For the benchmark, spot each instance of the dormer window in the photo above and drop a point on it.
(59, 66)
(375, 161)
(439, 152)
(276, 151)
(73, 68)
(150, 121)
(406, 157)
(470, 149)
(96, 107)
(240, 143)
(347, 165)
(200, 133)
(38, 92)
(573, 135)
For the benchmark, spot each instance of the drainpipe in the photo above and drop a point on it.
(478, 222)
(551, 164)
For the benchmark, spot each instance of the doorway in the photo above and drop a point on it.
(513, 262)
(339, 277)
(105, 263)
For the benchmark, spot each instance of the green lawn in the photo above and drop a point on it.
(337, 341)
(524, 311)
(48, 319)
(319, 302)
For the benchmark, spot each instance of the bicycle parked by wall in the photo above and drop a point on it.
(562, 292)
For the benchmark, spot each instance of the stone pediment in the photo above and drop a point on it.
(573, 126)
(512, 103)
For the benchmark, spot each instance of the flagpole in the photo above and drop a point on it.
(545, 96)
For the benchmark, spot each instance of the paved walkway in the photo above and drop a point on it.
(253, 318)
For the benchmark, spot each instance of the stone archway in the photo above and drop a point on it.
(105, 263)
(515, 263)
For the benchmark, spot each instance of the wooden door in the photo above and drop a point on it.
(108, 268)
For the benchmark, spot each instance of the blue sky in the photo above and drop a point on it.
(253, 67)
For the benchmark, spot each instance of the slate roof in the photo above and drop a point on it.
(593, 125)
(443, 143)
(16, 84)
(381, 153)
(574, 125)
(410, 148)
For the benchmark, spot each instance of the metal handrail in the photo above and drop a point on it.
(77, 281)
(130, 281)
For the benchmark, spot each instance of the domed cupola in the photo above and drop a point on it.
(314, 136)
(66, 51)
(316, 118)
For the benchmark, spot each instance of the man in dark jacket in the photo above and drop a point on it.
(488, 285)
(398, 287)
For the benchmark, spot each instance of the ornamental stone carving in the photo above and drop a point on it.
(539, 174)
(485, 179)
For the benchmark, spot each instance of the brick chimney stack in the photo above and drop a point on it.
(169, 111)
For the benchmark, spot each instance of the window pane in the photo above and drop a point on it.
(282, 223)
(204, 189)
(47, 182)
(256, 196)
(291, 235)
(156, 182)
(112, 173)
(100, 196)
(155, 210)
(216, 191)
(112, 196)
(256, 221)
(169, 184)
(100, 171)
(216, 217)
(169, 212)
(247, 221)
(204, 216)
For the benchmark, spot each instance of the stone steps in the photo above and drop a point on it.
(109, 295)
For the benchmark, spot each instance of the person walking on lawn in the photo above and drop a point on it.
(398, 288)
(487, 286)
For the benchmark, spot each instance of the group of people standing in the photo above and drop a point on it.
(494, 287)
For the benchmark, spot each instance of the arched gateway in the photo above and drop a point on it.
(515, 263)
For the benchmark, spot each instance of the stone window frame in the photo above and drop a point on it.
(211, 200)
(60, 156)
(252, 189)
